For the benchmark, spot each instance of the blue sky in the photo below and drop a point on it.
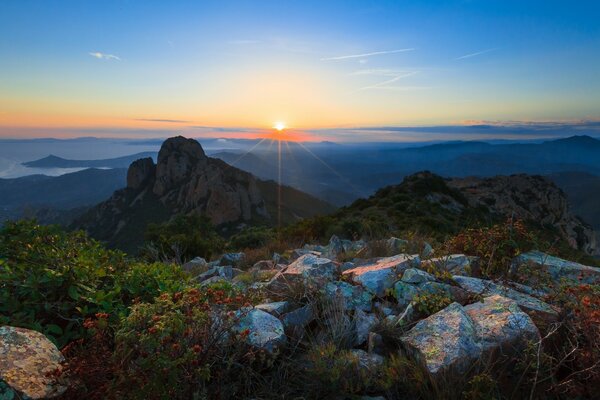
(124, 66)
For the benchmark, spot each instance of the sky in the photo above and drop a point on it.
(328, 70)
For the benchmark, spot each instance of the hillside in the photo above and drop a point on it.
(438, 207)
(583, 190)
(185, 181)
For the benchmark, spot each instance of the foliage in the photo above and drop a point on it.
(51, 281)
(183, 345)
(428, 303)
(181, 239)
(252, 238)
(496, 246)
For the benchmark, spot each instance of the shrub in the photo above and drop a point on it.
(183, 238)
(428, 303)
(184, 346)
(252, 238)
(51, 281)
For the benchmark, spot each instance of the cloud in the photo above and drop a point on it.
(243, 41)
(475, 54)
(375, 53)
(174, 121)
(104, 56)
(387, 84)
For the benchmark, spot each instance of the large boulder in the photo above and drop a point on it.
(557, 268)
(380, 275)
(233, 259)
(27, 363)
(452, 340)
(264, 330)
(537, 309)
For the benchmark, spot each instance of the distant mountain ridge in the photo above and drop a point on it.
(53, 161)
(184, 180)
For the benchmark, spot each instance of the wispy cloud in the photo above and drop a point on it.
(104, 56)
(173, 121)
(243, 41)
(476, 54)
(388, 84)
(364, 55)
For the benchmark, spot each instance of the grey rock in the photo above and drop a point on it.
(379, 275)
(276, 309)
(265, 331)
(195, 265)
(233, 259)
(298, 319)
(416, 276)
(557, 268)
(352, 297)
(456, 264)
(363, 322)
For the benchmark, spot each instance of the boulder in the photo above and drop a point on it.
(233, 259)
(452, 340)
(295, 321)
(27, 361)
(416, 276)
(264, 330)
(404, 293)
(195, 265)
(557, 268)
(369, 361)
(352, 297)
(276, 309)
(310, 266)
(363, 322)
(537, 309)
(396, 245)
(379, 275)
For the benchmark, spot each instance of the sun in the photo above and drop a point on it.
(279, 126)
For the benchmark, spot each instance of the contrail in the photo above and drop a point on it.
(474, 54)
(375, 53)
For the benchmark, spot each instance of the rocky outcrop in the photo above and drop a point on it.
(140, 173)
(28, 362)
(557, 268)
(529, 197)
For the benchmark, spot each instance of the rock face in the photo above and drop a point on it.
(450, 341)
(27, 358)
(529, 197)
(185, 181)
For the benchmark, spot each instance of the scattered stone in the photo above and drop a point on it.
(456, 264)
(27, 361)
(297, 320)
(366, 360)
(310, 266)
(375, 344)
(404, 293)
(427, 250)
(265, 331)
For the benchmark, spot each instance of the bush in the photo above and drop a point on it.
(184, 346)
(252, 238)
(50, 281)
(183, 238)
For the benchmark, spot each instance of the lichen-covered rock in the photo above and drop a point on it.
(536, 308)
(310, 266)
(500, 323)
(556, 267)
(444, 341)
(264, 330)
(404, 293)
(196, 265)
(27, 361)
(276, 309)
(416, 276)
(451, 340)
(369, 361)
(352, 297)
(295, 321)
(379, 275)
(396, 245)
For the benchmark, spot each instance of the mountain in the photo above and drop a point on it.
(437, 207)
(23, 196)
(184, 180)
(53, 161)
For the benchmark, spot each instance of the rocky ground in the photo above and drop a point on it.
(443, 315)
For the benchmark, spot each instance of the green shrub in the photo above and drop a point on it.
(428, 303)
(51, 281)
(252, 238)
(183, 238)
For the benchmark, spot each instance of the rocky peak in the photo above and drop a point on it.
(178, 159)
(140, 173)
